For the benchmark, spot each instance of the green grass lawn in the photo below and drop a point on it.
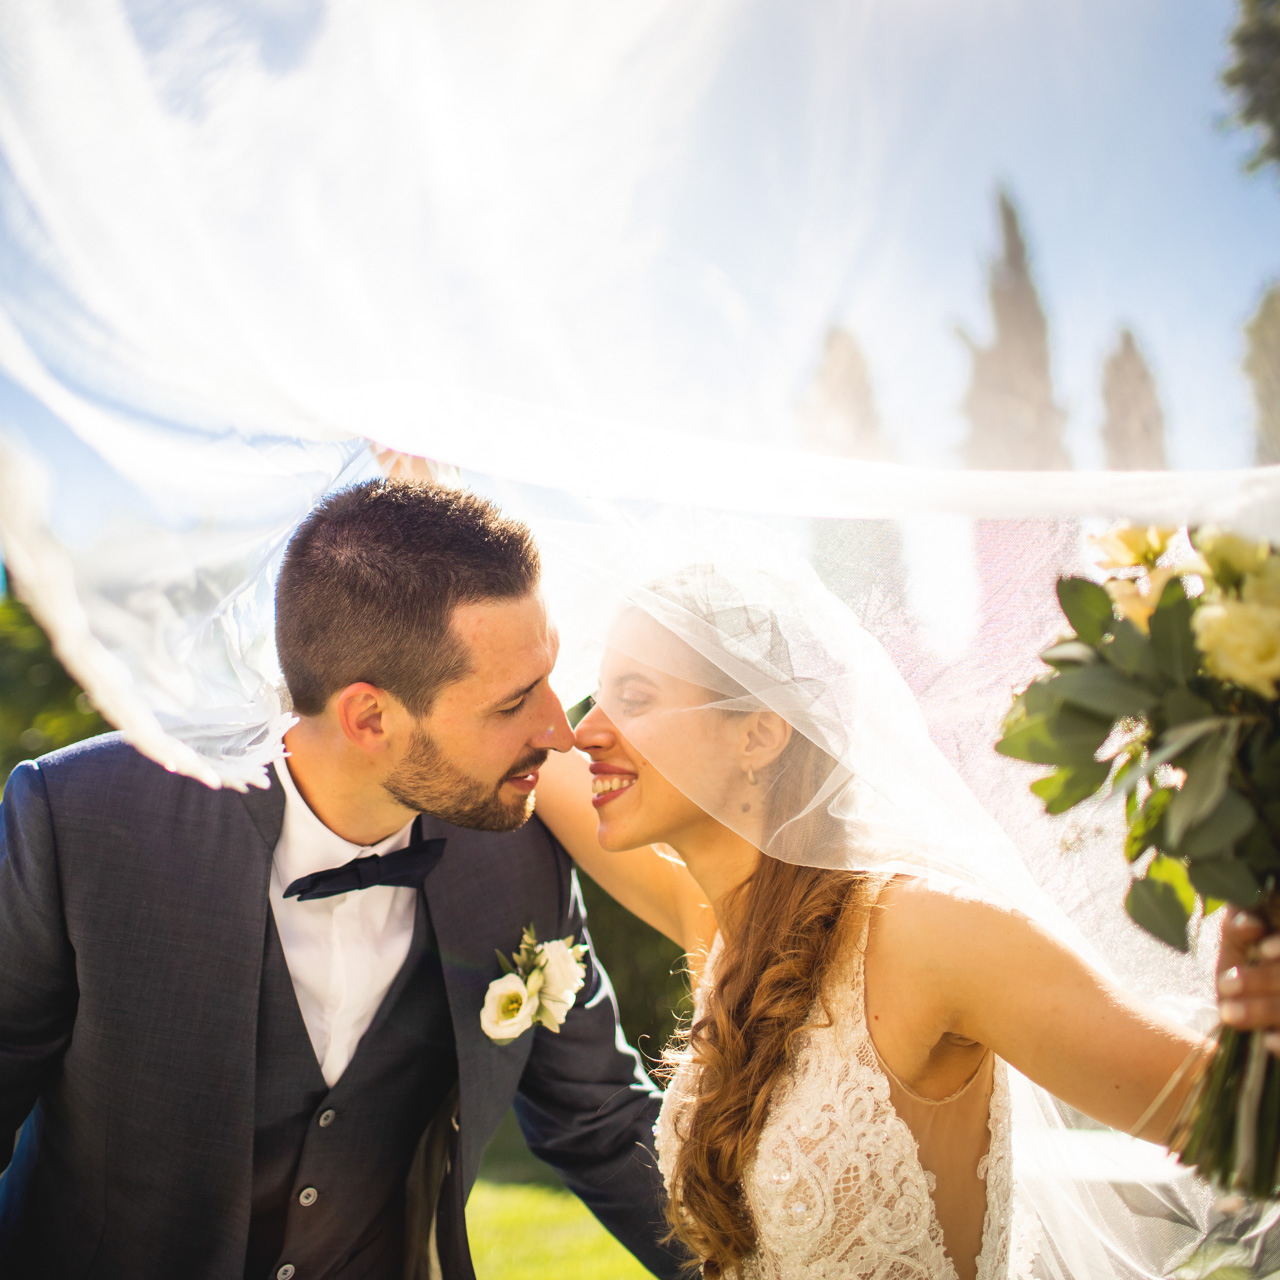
(523, 1224)
(526, 1231)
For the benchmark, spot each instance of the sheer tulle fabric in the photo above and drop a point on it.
(241, 245)
(715, 640)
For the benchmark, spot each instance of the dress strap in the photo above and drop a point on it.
(874, 887)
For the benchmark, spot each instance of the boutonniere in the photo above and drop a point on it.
(542, 979)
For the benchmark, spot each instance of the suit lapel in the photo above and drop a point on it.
(468, 912)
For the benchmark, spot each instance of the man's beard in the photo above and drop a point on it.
(428, 782)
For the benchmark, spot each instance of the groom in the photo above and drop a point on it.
(240, 1034)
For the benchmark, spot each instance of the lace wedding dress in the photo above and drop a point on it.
(840, 1184)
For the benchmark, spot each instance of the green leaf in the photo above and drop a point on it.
(1070, 784)
(1087, 606)
(1131, 652)
(1070, 653)
(1173, 742)
(1104, 691)
(1128, 762)
(1257, 850)
(1233, 819)
(1039, 698)
(1159, 907)
(1069, 737)
(1171, 639)
(1265, 766)
(1207, 765)
(1145, 825)
(1181, 705)
(507, 966)
(1172, 872)
(1224, 878)
(1177, 740)
(579, 709)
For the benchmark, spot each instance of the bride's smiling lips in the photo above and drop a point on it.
(608, 781)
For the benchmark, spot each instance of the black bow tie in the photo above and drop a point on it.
(403, 867)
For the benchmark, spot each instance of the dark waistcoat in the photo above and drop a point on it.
(329, 1164)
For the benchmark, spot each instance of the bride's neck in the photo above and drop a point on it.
(720, 861)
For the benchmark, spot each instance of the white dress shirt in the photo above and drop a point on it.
(343, 952)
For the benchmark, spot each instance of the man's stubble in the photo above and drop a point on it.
(427, 781)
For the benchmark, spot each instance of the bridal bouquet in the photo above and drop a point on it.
(1167, 690)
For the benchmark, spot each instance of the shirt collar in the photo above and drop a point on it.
(306, 845)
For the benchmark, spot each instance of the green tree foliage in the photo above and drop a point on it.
(1014, 421)
(41, 707)
(647, 971)
(1133, 429)
(1254, 76)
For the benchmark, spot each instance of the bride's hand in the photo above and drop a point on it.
(1249, 994)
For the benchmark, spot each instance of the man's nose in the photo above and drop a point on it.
(557, 736)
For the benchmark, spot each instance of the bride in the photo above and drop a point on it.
(871, 951)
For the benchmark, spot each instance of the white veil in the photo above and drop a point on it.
(743, 637)
(590, 256)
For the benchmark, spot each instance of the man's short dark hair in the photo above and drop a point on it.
(370, 581)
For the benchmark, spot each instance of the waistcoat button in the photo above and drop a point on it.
(327, 1118)
(286, 1272)
(307, 1197)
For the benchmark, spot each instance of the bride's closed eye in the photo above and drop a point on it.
(633, 699)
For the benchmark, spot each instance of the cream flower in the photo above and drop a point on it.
(1137, 600)
(1130, 545)
(563, 974)
(1263, 585)
(1229, 555)
(508, 1010)
(1241, 643)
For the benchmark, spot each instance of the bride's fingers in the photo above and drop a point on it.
(1240, 931)
(1250, 981)
(1250, 999)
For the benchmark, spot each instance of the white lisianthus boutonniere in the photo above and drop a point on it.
(542, 981)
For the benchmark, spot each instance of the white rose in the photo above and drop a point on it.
(1229, 555)
(562, 978)
(508, 1010)
(1263, 585)
(1241, 642)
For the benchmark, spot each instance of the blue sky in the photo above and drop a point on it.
(1108, 124)
(843, 164)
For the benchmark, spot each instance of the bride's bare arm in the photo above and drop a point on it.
(650, 884)
(994, 977)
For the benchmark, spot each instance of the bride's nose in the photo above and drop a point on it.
(595, 731)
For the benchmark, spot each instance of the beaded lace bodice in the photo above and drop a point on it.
(836, 1188)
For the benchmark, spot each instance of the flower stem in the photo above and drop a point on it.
(1247, 1105)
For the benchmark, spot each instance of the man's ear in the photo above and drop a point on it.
(764, 738)
(362, 710)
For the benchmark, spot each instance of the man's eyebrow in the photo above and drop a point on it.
(515, 695)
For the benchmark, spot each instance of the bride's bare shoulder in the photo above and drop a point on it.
(932, 916)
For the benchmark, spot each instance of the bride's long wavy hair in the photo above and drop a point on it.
(785, 925)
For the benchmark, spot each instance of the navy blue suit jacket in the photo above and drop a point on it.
(132, 916)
